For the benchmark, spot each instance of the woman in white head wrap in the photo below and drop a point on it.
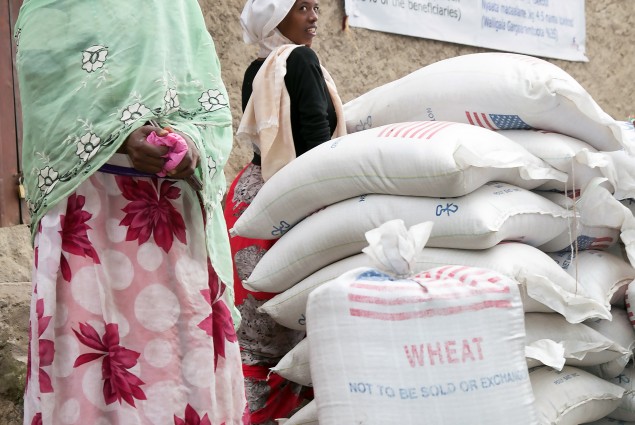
(290, 105)
(260, 20)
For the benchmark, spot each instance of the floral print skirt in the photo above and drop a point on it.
(127, 322)
(263, 342)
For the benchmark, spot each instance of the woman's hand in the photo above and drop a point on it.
(189, 162)
(145, 157)
(148, 158)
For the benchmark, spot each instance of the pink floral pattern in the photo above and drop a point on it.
(121, 334)
(150, 211)
(218, 324)
(75, 233)
(46, 348)
(119, 383)
(37, 419)
(192, 418)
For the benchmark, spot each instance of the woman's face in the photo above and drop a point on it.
(300, 24)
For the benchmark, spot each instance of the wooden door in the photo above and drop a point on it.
(12, 208)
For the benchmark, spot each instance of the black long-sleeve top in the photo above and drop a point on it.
(313, 118)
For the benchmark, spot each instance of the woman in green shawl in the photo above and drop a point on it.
(132, 317)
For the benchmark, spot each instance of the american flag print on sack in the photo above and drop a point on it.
(588, 242)
(496, 121)
(415, 130)
(428, 294)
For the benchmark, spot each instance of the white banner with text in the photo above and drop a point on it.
(546, 28)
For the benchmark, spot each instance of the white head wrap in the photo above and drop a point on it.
(259, 20)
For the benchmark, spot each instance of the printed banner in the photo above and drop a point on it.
(546, 28)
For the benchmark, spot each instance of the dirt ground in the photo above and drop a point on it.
(358, 60)
(15, 271)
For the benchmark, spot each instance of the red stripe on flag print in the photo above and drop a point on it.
(416, 299)
(478, 121)
(407, 128)
(474, 119)
(448, 271)
(383, 287)
(445, 311)
(601, 243)
(461, 273)
(432, 130)
(411, 130)
(416, 290)
(388, 130)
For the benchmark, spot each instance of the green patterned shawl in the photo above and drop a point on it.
(90, 72)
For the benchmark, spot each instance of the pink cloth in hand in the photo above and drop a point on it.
(177, 148)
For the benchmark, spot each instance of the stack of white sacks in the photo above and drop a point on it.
(521, 173)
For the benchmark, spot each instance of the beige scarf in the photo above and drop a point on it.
(266, 122)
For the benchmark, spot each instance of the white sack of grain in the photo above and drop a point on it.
(500, 91)
(626, 410)
(550, 340)
(620, 330)
(603, 275)
(544, 285)
(572, 396)
(493, 213)
(601, 220)
(579, 160)
(437, 159)
(622, 168)
(289, 307)
(305, 416)
(294, 366)
(582, 345)
(389, 347)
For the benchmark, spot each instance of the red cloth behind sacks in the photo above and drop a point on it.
(284, 397)
(233, 210)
